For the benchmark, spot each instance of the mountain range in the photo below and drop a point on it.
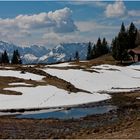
(42, 54)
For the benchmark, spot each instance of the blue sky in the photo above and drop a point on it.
(53, 22)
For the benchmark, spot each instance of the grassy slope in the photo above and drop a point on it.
(105, 59)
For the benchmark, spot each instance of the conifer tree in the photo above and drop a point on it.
(132, 33)
(94, 52)
(1, 58)
(105, 48)
(114, 47)
(98, 48)
(4, 58)
(76, 56)
(16, 58)
(89, 52)
(120, 45)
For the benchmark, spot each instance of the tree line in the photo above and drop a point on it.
(95, 50)
(124, 41)
(120, 45)
(4, 58)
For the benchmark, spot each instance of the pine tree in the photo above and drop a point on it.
(94, 52)
(1, 58)
(16, 58)
(115, 48)
(98, 48)
(76, 56)
(122, 30)
(89, 52)
(105, 48)
(4, 58)
(120, 45)
(132, 33)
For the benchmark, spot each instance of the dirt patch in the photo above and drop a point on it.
(126, 100)
(91, 70)
(6, 81)
(9, 92)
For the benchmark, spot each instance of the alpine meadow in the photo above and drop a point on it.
(70, 69)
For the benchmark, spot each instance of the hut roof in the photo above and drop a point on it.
(135, 50)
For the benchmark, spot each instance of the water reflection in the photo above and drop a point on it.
(74, 113)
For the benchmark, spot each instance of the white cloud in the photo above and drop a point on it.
(137, 22)
(92, 3)
(87, 31)
(57, 21)
(54, 38)
(116, 9)
(135, 13)
(91, 30)
(28, 29)
(87, 26)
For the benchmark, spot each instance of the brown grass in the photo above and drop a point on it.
(105, 59)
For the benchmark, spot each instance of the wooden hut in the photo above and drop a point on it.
(135, 54)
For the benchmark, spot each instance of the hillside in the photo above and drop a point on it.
(104, 59)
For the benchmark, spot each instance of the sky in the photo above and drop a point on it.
(49, 23)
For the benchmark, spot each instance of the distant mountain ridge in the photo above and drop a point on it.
(41, 54)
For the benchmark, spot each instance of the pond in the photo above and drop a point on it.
(72, 113)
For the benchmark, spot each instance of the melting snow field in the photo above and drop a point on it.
(18, 74)
(62, 65)
(46, 96)
(109, 78)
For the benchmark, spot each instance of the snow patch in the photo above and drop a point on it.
(46, 96)
(18, 74)
(15, 84)
(109, 78)
(62, 65)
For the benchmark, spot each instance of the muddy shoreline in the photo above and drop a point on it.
(123, 122)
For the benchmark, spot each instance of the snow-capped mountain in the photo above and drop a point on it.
(41, 54)
(65, 52)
